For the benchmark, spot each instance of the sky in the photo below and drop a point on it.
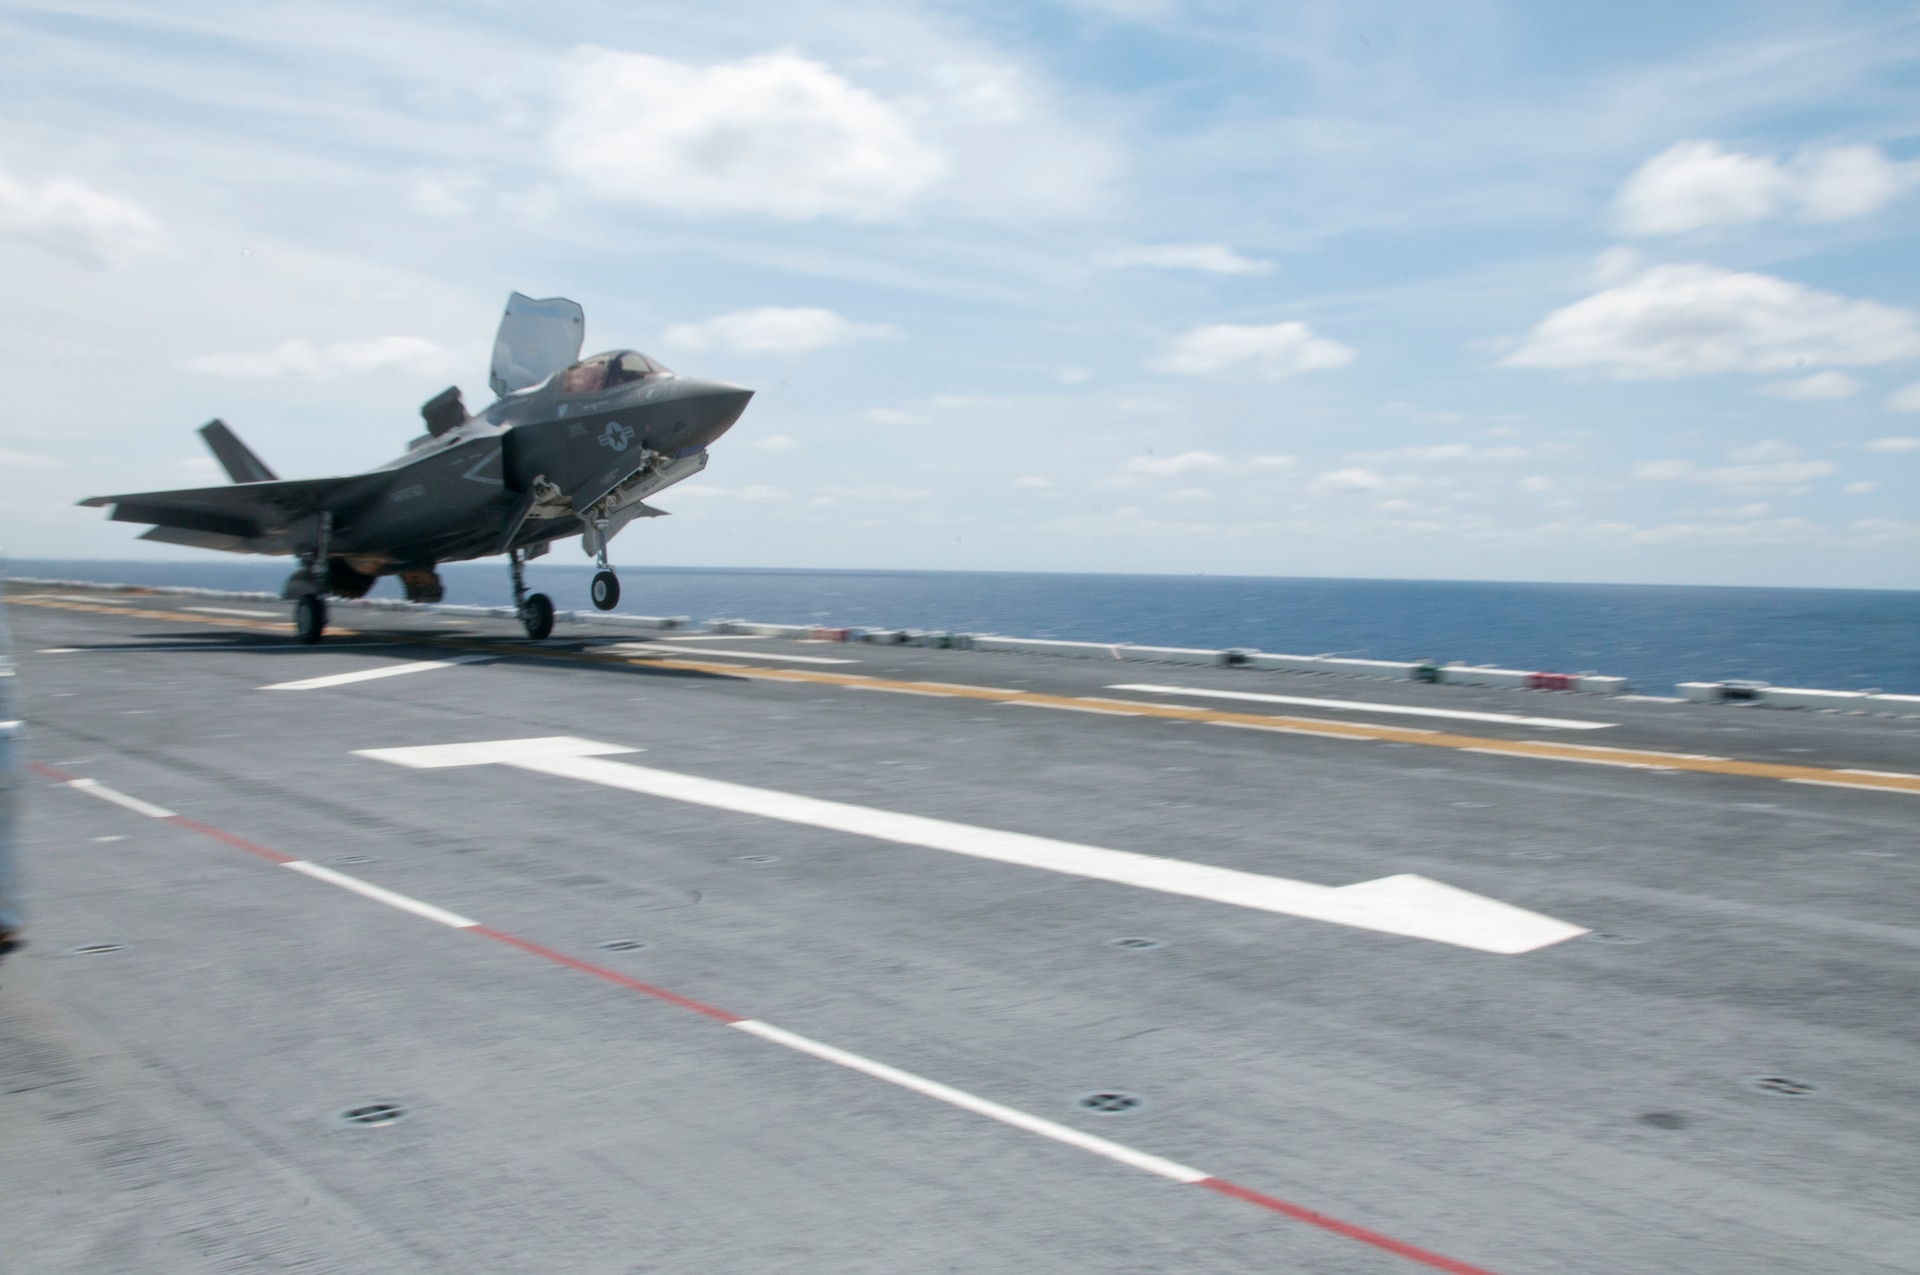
(1584, 291)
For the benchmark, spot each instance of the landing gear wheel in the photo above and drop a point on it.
(310, 617)
(537, 614)
(606, 590)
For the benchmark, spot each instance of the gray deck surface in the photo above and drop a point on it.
(170, 1106)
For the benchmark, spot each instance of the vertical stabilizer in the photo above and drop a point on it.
(241, 464)
(537, 339)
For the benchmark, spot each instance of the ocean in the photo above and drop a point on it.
(1656, 635)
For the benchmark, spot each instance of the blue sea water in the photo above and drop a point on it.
(1656, 635)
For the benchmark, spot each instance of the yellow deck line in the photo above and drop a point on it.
(178, 617)
(1544, 750)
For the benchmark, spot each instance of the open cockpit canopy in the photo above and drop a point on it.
(604, 371)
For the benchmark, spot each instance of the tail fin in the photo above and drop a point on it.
(241, 464)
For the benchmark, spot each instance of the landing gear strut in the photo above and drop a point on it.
(310, 608)
(536, 612)
(605, 590)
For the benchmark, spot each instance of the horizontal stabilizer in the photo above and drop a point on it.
(235, 456)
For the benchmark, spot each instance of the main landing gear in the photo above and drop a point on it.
(310, 617)
(536, 611)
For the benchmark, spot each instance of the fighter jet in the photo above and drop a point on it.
(569, 447)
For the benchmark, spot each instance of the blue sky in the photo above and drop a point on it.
(1475, 290)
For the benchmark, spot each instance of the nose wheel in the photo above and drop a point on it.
(605, 590)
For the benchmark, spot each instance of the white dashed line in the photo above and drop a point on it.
(95, 789)
(378, 894)
(968, 1102)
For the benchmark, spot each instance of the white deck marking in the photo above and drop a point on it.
(1829, 783)
(1363, 706)
(372, 674)
(661, 648)
(1407, 905)
(94, 788)
(968, 1102)
(388, 897)
(251, 615)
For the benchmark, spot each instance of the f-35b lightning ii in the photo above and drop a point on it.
(569, 447)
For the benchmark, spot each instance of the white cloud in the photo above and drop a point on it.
(1691, 320)
(1536, 483)
(1184, 463)
(1821, 385)
(1208, 258)
(1905, 400)
(776, 134)
(1757, 467)
(891, 416)
(1860, 488)
(1350, 480)
(68, 213)
(1892, 445)
(775, 330)
(1695, 185)
(1273, 351)
(1779, 474)
(445, 194)
(1844, 182)
(775, 443)
(1273, 462)
(1770, 449)
(342, 358)
(1033, 483)
(28, 460)
(1435, 453)
(1073, 375)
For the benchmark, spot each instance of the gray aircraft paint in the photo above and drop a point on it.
(469, 490)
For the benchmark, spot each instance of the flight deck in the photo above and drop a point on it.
(431, 947)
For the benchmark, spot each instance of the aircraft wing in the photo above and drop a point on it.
(243, 518)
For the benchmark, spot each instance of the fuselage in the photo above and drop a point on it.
(457, 495)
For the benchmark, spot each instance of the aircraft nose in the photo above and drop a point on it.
(716, 405)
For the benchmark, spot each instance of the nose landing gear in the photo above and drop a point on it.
(536, 611)
(606, 590)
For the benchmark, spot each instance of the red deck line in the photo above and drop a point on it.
(611, 976)
(1400, 1248)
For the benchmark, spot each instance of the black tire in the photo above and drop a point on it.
(605, 590)
(537, 615)
(310, 617)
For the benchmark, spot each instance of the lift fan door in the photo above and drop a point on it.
(537, 339)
